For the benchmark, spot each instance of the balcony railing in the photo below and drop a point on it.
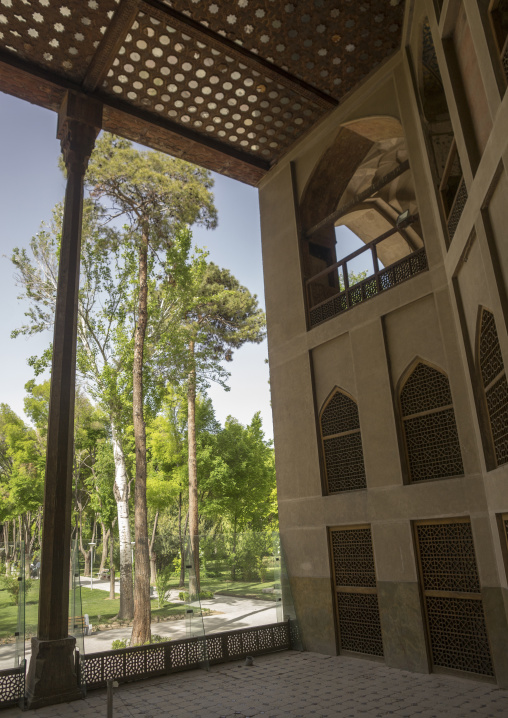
(12, 685)
(346, 296)
(159, 659)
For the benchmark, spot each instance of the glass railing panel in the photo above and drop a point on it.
(19, 646)
(239, 580)
(78, 622)
(194, 619)
(288, 604)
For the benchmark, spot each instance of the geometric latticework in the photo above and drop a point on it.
(447, 557)
(425, 389)
(458, 634)
(389, 277)
(354, 579)
(360, 629)
(186, 79)
(451, 589)
(353, 558)
(12, 686)
(457, 209)
(342, 444)
(428, 418)
(495, 385)
(339, 415)
(141, 662)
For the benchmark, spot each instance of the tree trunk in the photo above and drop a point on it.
(85, 554)
(193, 478)
(142, 616)
(121, 492)
(14, 545)
(7, 548)
(112, 567)
(104, 555)
(153, 557)
(39, 529)
(20, 539)
(28, 543)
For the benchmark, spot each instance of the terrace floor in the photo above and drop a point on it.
(292, 685)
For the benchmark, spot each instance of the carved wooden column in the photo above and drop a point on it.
(52, 676)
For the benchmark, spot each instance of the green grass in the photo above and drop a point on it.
(95, 603)
(248, 589)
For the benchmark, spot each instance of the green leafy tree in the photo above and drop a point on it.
(240, 487)
(103, 356)
(158, 197)
(224, 315)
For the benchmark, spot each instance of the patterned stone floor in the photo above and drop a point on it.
(293, 685)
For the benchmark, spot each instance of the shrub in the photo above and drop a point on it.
(162, 582)
(184, 596)
(125, 643)
(11, 585)
(119, 643)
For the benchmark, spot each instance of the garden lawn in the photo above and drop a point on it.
(245, 589)
(95, 603)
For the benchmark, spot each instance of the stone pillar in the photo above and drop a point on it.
(52, 676)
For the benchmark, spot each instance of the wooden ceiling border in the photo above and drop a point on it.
(114, 36)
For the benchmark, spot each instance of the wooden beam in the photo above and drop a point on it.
(111, 42)
(374, 187)
(208, 37)
(45, 88)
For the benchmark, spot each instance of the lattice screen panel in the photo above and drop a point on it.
(342, 444)
(355, 588)
(360, 628)
(430, 431)
(453, 605)
(353, 558)
(495, 385)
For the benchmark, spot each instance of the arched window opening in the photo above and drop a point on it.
(342, 444)
(499, 17)
(430, 431)
(444, 158)
(372, 195)
(495, 385)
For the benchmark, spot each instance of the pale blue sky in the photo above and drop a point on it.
(31, 184)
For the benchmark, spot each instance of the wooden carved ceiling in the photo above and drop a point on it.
(228, 84)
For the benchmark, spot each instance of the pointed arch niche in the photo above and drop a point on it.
(361, 186)
(428, 422)
(495, 386)
(341, 443)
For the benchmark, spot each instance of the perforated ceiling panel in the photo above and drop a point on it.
(61, 36)
(231, 85)
(164, 70)
(331, 44)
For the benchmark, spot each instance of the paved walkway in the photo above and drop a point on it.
(232, 613)
(292, 685)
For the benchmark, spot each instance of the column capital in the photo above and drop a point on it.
(79, 123)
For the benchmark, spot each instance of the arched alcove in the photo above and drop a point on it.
(363, 184)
